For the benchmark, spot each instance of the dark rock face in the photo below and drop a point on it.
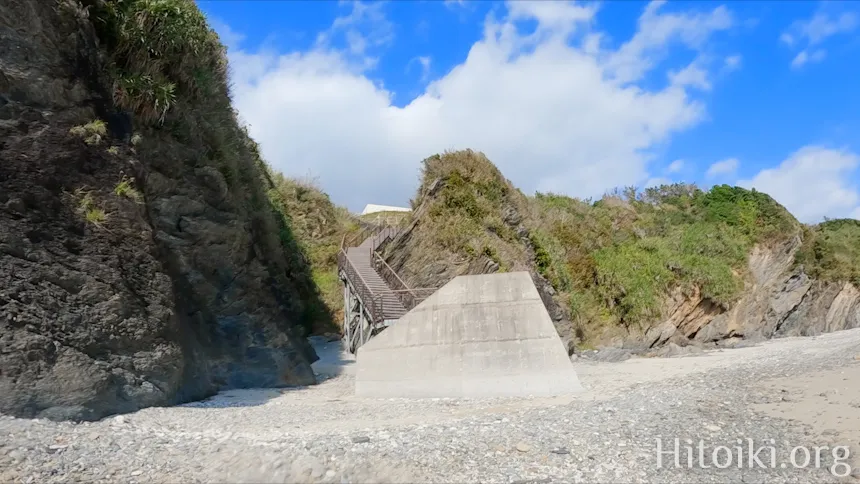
(166, 297)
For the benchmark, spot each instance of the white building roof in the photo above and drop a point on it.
(371, 208)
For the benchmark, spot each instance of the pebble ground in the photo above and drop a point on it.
(324, 434)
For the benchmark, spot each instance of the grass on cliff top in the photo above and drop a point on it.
(831, 251)
(615, 260)
(612, 261)
(467, 215)
(168, 69)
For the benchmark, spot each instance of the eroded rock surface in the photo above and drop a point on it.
(111, 302)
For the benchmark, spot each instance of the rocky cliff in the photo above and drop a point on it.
(649, 273)
(141, 261)
(779, 300)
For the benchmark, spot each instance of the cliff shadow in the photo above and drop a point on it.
(333, 362)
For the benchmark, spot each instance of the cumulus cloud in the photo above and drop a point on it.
(675, 166)
(724, 167)
(553, 108)
(813, 182)
(807, 35)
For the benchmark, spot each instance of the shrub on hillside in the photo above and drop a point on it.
(831, 251)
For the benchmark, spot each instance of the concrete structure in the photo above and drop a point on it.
(371, 208)
(477, 336)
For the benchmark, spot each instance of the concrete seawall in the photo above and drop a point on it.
(478, 336)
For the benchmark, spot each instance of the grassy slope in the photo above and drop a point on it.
(831, 251)
(318, 226)
(613, 261)
(467, 217)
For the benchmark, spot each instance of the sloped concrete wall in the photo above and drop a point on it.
(478, 336)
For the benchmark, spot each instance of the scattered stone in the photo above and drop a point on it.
(305, 434)
(609, 355)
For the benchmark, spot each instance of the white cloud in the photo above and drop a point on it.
(655, 33)
(805, 57)
(733, 62)
(553, 116)
(423, 61)
(809, 34)
(364, 28)
(691, 76)
(813, 182)
(656, 182)
(229, 37)
(675, 166)
(724, 167)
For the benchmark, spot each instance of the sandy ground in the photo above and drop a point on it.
(827, 401)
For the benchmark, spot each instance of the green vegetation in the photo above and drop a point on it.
(96, 216)
(91, 212)
(466, 215)
(92, 132)
(831, 251)
(318, 226)
(125, 188)
(615, 260)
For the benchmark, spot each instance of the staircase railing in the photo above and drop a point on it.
(381, 237)
(409, 297)
(377, 237)
(372, 302)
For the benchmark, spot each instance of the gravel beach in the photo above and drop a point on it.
(769, 398)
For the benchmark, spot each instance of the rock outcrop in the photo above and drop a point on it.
(129, 277)
(781, 300)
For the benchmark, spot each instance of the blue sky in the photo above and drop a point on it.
(574, 98)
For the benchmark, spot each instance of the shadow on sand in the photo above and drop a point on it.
(333, 362)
